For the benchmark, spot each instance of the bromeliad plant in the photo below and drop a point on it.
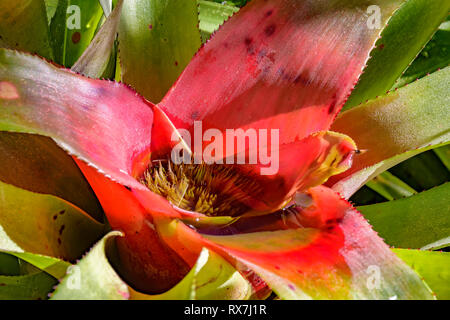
(211, 231)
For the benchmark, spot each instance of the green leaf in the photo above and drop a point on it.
(33, 286)
(349, 185)
(93, 278)
(211, 278)
(412, 222)
(36, 190)
(157, 39)
(432, 266)
(407, 32)
(237, 3)
(44, 224)
(411, 118)
(444, 154)
(72, 29)
(23, 26)
(51, 6)
(439, 244)
(9, 264)
(37, 164)
(118, 71)
(435, 55)
(212, 15)
(390, 187)
(28, 276)
(422, 172)
(96, 60)
(54, 267)
(106, 6)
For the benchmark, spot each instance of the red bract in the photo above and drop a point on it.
(285, 65)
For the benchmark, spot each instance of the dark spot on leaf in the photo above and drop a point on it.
(262, 53)
(333, 162)
(59, 241)
(269, 13)
(331, 223)
(270, 30)
(55, 216)
(61, 229)
(271, 56)
(176, 63)
(194, 115)
(150, 26)
(301, 79)
(76, 37)
(277, 267)
(101, 91)
(2, 284)
(249, 44)
(284, 75)
(381, 46)
(291, 287)
(62, 212)
(332, 105)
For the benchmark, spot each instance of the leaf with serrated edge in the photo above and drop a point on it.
(23, 26)
(390, 187)
(410, 118)
(407, 32)
(412, 222)
(275, 64)
(53, 266)
(45, 224)
(94, 60)
(349, 185)
(37, 164)
(33, 286)
(121, 118)
(432, 266)
(211, 278)
(435, 55)
(337, 260)
(93, 278)
(70, 39)
(157, 39)
(212, 15)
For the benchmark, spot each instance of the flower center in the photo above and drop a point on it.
(214, 190)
